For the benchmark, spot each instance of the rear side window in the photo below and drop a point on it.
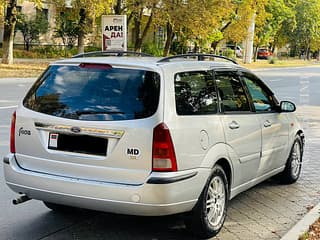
(195, 93)
(95, 93)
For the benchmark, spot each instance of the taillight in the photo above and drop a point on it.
(163, 155)
(12, 134)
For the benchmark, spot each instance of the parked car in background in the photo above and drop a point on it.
(150, 136)
(238, 50)
(264, 53)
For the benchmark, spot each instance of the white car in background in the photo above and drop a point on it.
(237, 49)
(149, 136)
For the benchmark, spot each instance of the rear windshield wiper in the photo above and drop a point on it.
(89, 112)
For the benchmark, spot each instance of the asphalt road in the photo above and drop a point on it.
(32, 220)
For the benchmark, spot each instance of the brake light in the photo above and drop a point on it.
(95, 66)
(12, 133)
(163, 155)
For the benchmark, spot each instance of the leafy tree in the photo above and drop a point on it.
(172, 17)
(85, 13)
(308, 24)
(199, 21)
(65, 29)
(9, 28)
(141, 14)
(282, 23)
(277, 14)
(31, 28)
(10, 7)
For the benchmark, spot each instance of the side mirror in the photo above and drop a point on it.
(286, 106)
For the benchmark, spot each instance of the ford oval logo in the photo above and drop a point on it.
(75, 129)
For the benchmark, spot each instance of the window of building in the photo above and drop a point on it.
(42, 13)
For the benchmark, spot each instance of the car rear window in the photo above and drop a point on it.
(95, 93)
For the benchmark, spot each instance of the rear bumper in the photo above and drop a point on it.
(165, 194)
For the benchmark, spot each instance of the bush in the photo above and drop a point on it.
(92, 49)
(178, 48)
(51, 51)
(229, 53)
(48, 51)
(152, 49)
(272, 60)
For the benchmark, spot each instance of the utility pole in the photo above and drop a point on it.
(249, 41)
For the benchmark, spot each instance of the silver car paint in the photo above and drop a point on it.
(119, 184)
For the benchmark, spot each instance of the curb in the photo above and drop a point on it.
(303, 225)
(282, 68)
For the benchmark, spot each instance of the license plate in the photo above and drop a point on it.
(78, 143)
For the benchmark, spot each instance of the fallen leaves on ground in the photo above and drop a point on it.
(313, 232)
(22, 70)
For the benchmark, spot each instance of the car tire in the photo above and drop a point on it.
(207, 217)
(292, 170)
(59, 208)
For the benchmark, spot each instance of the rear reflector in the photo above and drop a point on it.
(12, 134)
(95, 66)
(163, 155)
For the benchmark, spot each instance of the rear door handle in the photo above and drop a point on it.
(267, 124)
(234, 125)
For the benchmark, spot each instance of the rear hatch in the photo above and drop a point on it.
(90, 121)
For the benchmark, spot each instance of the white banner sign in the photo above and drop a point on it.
(114, 32)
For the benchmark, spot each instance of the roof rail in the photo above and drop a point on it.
(111, 53)
(200, 57)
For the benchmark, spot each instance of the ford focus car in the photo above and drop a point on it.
(149, 136)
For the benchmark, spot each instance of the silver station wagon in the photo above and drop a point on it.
(150, 136)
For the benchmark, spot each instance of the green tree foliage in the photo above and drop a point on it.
(141, 15)
(307, 33)
(279, 25)
(31, 28)
(203, 22)
(65, 29)
(279, 17)
(86, 13)
(10, 20)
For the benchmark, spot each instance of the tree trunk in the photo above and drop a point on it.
(81, 43)
(255, 53)
(81, 34)
(308, 53)
(249, 41)
(137, 29)
(170, 35)
(140, 39)
(214, 45)
(28, 46)
(117, 8)
(24, 42)
(8, 35)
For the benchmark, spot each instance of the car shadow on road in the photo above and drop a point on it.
(102, 226)
(91, 225)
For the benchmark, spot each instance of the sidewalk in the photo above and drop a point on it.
(303, 225)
